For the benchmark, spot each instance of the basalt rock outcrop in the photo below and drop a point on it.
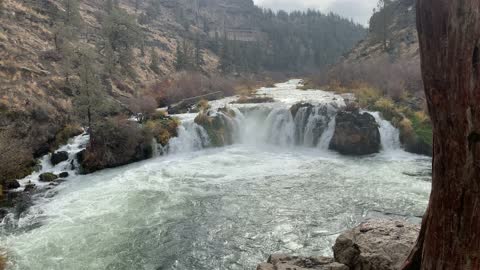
(376, 244)
(355, 134)
(58, 157)
(219, 126)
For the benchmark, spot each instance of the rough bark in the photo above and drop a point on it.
(449, 34)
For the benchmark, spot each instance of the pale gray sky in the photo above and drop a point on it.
(359, 10)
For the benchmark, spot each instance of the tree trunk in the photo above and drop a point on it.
(449, 34)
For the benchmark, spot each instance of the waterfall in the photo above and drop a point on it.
(301, 120)
(312, 126)
(280, 128)
(191, 137)
(327, 136)
(261, 125)
(390, 136)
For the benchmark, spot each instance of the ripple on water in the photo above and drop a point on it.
(216, 209)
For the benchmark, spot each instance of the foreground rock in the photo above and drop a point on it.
(376, 245)
(355, 134)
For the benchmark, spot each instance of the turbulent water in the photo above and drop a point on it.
(277, 189)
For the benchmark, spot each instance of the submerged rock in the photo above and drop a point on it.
(376, 245)
(48, 177)
(355, 134)
(59, 157)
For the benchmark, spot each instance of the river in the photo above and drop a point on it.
(220, 208)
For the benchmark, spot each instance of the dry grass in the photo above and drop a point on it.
(254, 100)
(69, 131)
(16, 160)
(203, 105)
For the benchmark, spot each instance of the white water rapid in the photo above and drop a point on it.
(276, 189)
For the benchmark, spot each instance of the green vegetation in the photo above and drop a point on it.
(69, 131)
(154, 62)
(120, 34)
(218, 130)
(48, 177)
(161, 127)
(296, 41)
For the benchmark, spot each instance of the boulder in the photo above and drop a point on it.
(355, 134)
(64, 175)
(285, 262)
(58, 157)
(376, 244)
(47, 177)
(80, 156)
(30, 187)
(218, 125)
(296, 107)
(12, 184)
(3, 213)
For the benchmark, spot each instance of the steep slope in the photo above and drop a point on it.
(401, 38)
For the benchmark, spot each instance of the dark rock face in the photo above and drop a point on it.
(416, 145)
(12, 184)
(64, 175)
(284, 262)
(355, 134)
(376, 245)
(30, 188)
(48, 177)
(58, 157)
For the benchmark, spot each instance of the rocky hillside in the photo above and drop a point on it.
(401, 37)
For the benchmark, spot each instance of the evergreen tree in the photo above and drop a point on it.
(179, 58)
(198, 54)
(89, 99)
(155, 63)
(381, 20)
(120, 35)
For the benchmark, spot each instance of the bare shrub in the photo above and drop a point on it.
(115, 142)
(185, 85)
(143, 107)
(16, 160)
(394, 79)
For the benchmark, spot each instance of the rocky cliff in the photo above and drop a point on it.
(401, 35)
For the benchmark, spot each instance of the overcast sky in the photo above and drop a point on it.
(359, 10)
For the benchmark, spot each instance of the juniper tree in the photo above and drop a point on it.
(89, 99)
(154, 63)
(120, 34)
